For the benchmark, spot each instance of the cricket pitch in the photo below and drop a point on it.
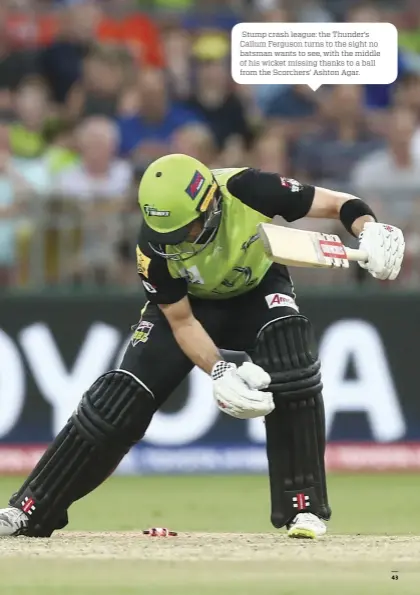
(225, 546)
(209, 563)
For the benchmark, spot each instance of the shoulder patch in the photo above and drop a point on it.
(143, 263)
(292, 184)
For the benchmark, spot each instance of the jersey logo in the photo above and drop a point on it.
(195, 185)
(248, 280)
(293, 185)
(150, 288)
(192, 275)
(142, 332)
(250, 241)
(143, 263)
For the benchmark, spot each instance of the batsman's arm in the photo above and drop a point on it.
(190, 335)
(352, 211)
(272, 194)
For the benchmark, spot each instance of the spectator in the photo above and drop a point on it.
(407, 92)
(217, 15)
(125, 25)
(32, 110)
(123, 87)
(393, 173)
(61, 62)
(197, 141)
(100, 174)
(20, 181)
(14, 66)
(101, 184)
(343, 137)
(311, 11)
(294, 110)
(22, 24)
(97, 92)
(377, 97)
(217, 104)
(408, 95)
(121, 273)
(147, 135)
(269, 153)
(270, 11)
(274, 11)
(409, 29)
(177, 45)
(129, 102)
(62, 152)
(364, 11)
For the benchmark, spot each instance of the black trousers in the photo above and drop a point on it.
(154, 356)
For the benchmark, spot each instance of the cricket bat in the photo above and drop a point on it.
(300, 248)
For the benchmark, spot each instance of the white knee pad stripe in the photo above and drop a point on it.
(272, 321)
(136, 379)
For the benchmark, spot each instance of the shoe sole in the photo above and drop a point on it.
(296, 533)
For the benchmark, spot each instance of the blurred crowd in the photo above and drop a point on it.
(92, 91)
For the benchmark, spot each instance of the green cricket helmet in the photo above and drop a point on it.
(175, 191)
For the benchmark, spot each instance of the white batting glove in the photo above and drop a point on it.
(385, 246)
(236, 390)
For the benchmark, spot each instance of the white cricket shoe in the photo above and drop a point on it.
(12, 521)
(306, 525)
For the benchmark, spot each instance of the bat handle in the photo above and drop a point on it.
(356, 255)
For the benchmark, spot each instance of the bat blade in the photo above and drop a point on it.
(301, 248)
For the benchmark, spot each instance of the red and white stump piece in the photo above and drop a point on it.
(159, 532)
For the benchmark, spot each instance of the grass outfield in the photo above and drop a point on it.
(226, 544)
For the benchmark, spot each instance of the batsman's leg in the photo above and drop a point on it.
(296, 428)
(267, 325)
(113, 414)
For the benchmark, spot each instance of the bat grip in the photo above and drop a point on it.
(354, 254)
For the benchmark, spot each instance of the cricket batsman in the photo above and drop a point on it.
(210, 287)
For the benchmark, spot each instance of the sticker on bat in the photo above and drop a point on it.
(332, 249)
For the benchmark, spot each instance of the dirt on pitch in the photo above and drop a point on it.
(213, 547)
